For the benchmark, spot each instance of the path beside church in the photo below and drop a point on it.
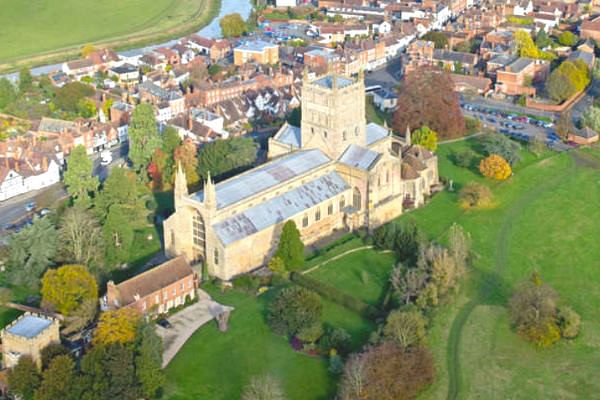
(186, 322)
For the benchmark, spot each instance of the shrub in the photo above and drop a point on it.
(294, 309)
(502, 146)
(463, 158)
(364, 277)
(495, 167)
(569, 322)
(476, 195)
(311, 334)
(405, 328)
(335, 295)
(277, 266)
(291, 248)
(336, 338)
(336, 364)
(386, 372)
(247, 283)
(542, 335)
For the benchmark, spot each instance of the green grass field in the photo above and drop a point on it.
(33, 28)
(216, 366)
(546, 219)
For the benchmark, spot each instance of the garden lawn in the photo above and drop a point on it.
(546, 218)
(30, 28)
(363, 274)
(214, 365)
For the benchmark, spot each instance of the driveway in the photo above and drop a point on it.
(186, 322)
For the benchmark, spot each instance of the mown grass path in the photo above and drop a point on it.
(500, 260)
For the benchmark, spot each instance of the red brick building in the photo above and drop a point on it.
(156, 290)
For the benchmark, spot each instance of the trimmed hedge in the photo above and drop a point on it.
(337, 296)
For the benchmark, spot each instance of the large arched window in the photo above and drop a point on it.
(356, 198)
(198, 233)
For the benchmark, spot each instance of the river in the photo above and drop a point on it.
(212, 30)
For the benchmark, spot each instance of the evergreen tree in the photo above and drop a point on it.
(225, 157)
(109, 373)
(79, 177)
(8, 94)
(123, 189)
(25, 80)
(24, 378)
(143, 136)
(291, 248)
(31, 252)
(59, 380)
(148, 361)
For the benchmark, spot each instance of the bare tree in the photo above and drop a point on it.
(80, 238)
(406, 328)
(460, 247)
(264, 387)
(407, 282)
(353, 380)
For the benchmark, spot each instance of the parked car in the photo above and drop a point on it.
(164, 323)
(43, 212)
(29, 207)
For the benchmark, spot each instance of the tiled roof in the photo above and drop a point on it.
(280, 208)
(153, 280)
(266, 176)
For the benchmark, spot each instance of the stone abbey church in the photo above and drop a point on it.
(334, 172)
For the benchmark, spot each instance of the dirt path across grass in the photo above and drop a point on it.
(501, 259)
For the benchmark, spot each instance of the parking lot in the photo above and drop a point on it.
(519, 127)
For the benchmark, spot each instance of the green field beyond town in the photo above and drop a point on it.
(32, 29)
(544, 218)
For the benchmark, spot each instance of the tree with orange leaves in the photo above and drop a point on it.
(495, 167)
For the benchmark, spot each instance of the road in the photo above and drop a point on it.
(388, 76)
(13, 209)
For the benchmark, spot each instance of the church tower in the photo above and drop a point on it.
(333, 113)
(180, 190)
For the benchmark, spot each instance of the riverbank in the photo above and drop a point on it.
(180, 18)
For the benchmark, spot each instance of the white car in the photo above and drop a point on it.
(105, 158)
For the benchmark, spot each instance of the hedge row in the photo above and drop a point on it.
(335, 295)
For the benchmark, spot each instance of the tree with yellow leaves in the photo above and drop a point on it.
(495, 167)
(66, 288)
(118, 326)
(87, 50)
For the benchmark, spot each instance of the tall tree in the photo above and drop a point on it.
(122, 188)
(186, 155)
(79, 177)
(109, 373)
(25, 79)
(24, 378)
(232, 25)
(80, 238)
(8, 93)
(148, 361)
(564, 125)
(425, 137)
(439, 39)
(66, 288)
(32, 251)
(223, 158)
(405, 328)
(290, 249)
(386, 372)
(143, 136)
(118, 326)
(427, 97)
(59, 380)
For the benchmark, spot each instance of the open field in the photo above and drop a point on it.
(36, 32)
(546, 219)
(224, 362)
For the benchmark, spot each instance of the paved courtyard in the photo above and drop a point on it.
(186, 322)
